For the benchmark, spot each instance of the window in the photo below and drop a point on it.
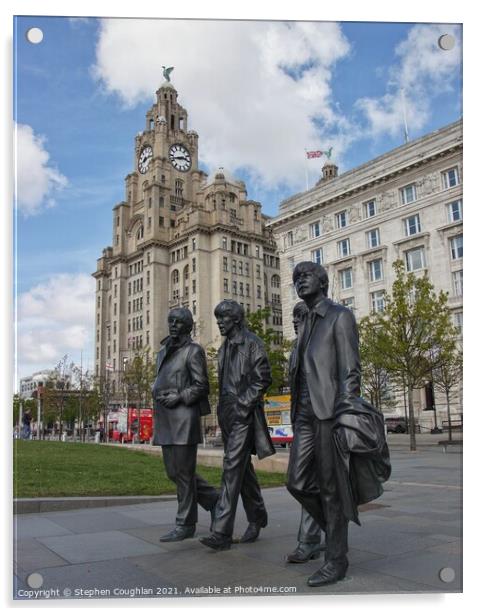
(234, 285)
(240, 268)
(450, 178)
(194, 265)
(289, 238)
(194, 243)
(412, 225)
(225, 243)
(258, 271)
(148, 277)
(378, 301)
(455, 210)
(226, 285)
(258, 292)
(346, 278)
(175, 276)
(317, 256)
(246, 269)
(241, 288)
(457, 247)
(233, 266)
(247, 289)
(178, 187)
(370, 208)
(275, 281)
(194, 306)
(415, 259)
(343, 248)
(225, 264)
(458, 282)
(375, 269)
(315, 229)
(408, 194)
(194, 286)
(373, 238)
(257, 252)
(161, 201)
(349, 302)
(458, 320)
(341, 219)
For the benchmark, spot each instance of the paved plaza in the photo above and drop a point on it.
(410, 541)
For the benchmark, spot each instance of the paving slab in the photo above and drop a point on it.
(91, 547)
(31, 525)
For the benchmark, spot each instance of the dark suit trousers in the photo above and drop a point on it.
(312, 478)
(310, 530)
(180, 463)
(238, 471)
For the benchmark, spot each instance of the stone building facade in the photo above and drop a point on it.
(406, 204)
(180, 238)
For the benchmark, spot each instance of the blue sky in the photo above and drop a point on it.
(258, 93)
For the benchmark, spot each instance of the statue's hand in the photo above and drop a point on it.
(170, 400)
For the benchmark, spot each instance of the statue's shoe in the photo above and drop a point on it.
(252, 532)
(330, 573)
(178, 534)
(217, 542)
(305, 552)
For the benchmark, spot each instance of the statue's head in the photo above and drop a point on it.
(180, 322)
(309, 278)
(229, 316)
(300, 311)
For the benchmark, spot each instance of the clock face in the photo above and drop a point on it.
(180, 157)
(145, 159)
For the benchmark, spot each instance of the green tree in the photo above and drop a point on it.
(138, 376)
(414, 322)
(277, 350)
(376, 384)
(447, 376)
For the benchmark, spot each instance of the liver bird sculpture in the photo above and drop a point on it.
(166, 72)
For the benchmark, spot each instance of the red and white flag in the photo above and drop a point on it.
(314, 154)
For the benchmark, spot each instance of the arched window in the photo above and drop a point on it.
(175, 277)
(276, 281)
(186, 273)
(140, 232)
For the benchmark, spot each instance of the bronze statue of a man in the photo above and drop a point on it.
(244, 377)
(332, 424)
(309, 532)
(180, 394)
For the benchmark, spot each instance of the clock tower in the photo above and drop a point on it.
(180, 238)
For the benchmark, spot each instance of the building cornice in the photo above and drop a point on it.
(316, 198)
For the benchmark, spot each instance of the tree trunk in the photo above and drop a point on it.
(411, 416)
(447, 393)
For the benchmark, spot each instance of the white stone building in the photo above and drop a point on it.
(405, 204)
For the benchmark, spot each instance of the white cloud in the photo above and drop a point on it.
(422, 72)
(55, 318)
(252, 89)
(36, 179)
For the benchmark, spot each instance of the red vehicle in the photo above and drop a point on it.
(129, 425)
